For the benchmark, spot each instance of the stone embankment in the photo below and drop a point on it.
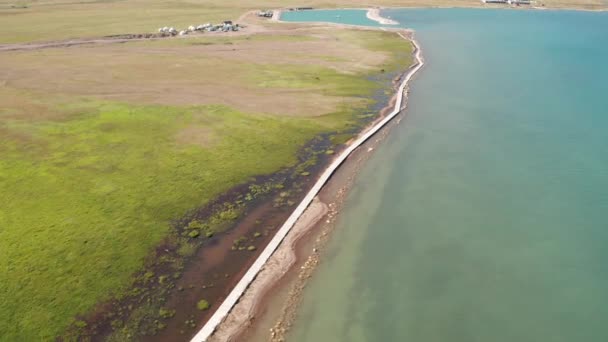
(221, 313)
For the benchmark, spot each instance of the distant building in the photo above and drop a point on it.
(510, 2)
(265, 14)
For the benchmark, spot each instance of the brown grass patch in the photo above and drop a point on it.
(196, 71)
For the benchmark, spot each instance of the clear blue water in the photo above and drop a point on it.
(484, 216)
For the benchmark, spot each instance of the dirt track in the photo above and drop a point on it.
(110, 40)
(250, 28)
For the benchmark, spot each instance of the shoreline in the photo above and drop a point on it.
(277, 267)
(277, 16)
(374, 14)
(293, 260)
(277, 308)
(239, 290)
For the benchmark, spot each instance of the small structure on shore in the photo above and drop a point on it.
(167, 30)
(509, 2)
(265, 14)
(226, 26)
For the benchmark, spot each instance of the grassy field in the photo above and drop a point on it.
(40, 20)
(101, 146)
(84, 200)
(180, 72)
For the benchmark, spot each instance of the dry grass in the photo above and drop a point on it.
(198, 71)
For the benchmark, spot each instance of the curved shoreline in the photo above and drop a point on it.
(374, 14)
(247, 317)
(236, 293)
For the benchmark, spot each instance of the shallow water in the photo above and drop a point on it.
(483, 217)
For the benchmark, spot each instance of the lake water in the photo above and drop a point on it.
(484, 216)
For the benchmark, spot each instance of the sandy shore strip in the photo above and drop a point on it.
(374, 14)
(281, 261)
(234, 296)
(276, 15)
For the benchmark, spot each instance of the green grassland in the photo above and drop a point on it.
(84, 200)
(89, 189)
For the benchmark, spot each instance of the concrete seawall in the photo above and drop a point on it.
(221, 313)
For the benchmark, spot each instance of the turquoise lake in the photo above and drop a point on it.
(484, 215)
